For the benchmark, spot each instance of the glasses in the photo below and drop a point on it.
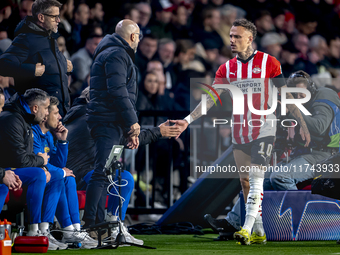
(140, 35)
(56, 17)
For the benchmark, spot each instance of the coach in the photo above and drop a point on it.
(111, 111)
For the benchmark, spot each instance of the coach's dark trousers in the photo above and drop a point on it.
(105, 135)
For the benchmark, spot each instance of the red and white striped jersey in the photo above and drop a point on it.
(254, 74)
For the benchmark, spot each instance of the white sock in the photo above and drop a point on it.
(248, 223)
(258, 225)
(68, 231)
(110, 217)
(256, 177)
(44, 227)
(76, 226)
(33, 229)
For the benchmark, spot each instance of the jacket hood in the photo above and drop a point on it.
(114, 40)
(27, 25)
(14, 105)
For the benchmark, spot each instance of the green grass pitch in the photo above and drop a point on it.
(189, 244)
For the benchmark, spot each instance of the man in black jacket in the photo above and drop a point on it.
(16, 139)
(34, 59)
(111, 111)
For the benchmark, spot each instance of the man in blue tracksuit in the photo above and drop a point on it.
(16, 139)
(63, 201)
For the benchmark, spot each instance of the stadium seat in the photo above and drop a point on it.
(7, 198)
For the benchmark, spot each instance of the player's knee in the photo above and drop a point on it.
(70, 182)
(39, 175)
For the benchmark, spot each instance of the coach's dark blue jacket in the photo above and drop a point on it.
(113, 85)
(33, 44)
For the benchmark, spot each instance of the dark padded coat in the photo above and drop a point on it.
(16, 137)
(113, 85)
(32, 45)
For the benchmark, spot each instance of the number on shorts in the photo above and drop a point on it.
(269, 149)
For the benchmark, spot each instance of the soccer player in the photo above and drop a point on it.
(252, 144)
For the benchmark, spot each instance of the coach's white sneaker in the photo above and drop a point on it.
(80, 237)
(54, 241)
(128, 237)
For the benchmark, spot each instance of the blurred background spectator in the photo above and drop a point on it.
(82, 61)
(146, 51)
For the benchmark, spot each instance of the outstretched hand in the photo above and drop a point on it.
(169, 131)
(181, 124)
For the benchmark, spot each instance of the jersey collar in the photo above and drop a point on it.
(245, 61)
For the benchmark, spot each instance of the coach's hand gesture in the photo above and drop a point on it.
(39, 69)
(135, 130)
(133, 142)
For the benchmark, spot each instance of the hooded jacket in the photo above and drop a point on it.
(32, 45)
(318, 123)
(16, 137)
(57, 152)
(113, 84)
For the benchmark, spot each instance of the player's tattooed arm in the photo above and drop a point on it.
(197, 112)
(298, 116)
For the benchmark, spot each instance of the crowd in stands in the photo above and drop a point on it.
(185, 39)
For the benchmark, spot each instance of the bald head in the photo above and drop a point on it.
(129, 31)
(126, 27)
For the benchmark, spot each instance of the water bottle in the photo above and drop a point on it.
(2, 230)
(8, 226)
(6, 244)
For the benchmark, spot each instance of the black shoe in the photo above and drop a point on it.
(221, 225)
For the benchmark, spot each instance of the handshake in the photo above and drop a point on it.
(165, 128)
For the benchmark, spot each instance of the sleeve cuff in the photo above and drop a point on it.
(64, 173)
(189, 119)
